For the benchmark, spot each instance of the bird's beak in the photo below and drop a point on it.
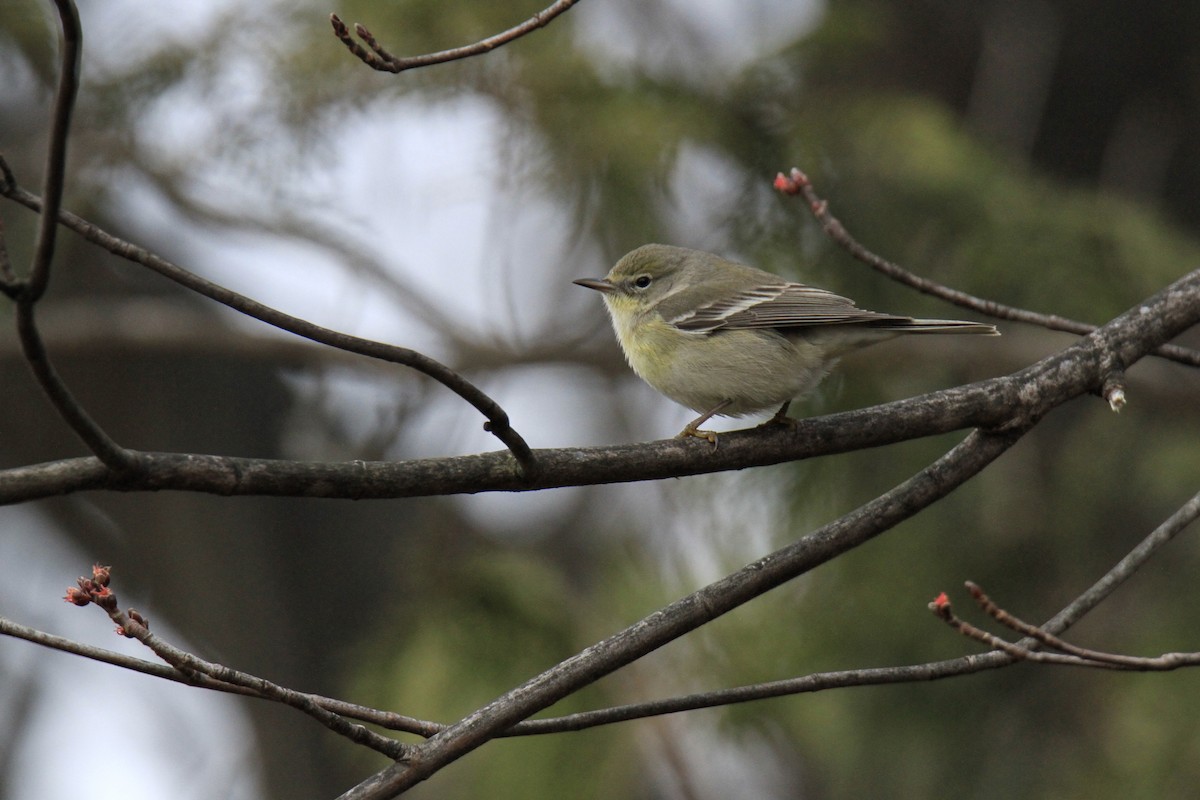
(599, 284)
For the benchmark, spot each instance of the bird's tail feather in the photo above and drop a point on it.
(939, 326)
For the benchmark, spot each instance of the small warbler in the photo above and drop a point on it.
(726, 339)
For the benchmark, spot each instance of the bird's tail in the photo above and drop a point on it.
(908, 325)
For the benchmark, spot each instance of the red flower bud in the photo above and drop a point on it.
(77, 596)
(101, 574)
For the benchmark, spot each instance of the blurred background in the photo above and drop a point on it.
(1045, 154)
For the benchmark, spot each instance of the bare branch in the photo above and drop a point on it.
(988, 404)
(27, 293)
(1008, 654)
(1102, 659)
(70, 53)
(1005, 655)
(96, 590)
(926, 487)
(385, 719)
(1068, 655)
(380, 59)
(497, 419)
(1047, 634)
(798, 183)
(1011, 401)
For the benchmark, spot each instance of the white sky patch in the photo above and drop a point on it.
(730, 35)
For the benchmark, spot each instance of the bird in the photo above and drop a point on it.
(724, 338)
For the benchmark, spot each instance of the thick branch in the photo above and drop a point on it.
(1015, 399)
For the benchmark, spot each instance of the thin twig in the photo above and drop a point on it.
(29, 292)
(1100, 657)
(497, 419)
(380, 59)
(96, 590)
(798, 183)
(190, 664)
(1047, 634)
(942, 610)
(384, 719)
(1068, 655)
(70, 47)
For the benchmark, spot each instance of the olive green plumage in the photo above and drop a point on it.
(724, 338)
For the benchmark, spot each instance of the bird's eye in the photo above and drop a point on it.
(641, 281)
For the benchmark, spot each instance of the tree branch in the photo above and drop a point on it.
(820, 681)
(27, 293)
(1013, 400)
(938, 670)
(497, 419)
(70, 52)
(926, 487)
(192, 669)
(380, 59)
(1068, 654)
(798, 183)
(199, 680)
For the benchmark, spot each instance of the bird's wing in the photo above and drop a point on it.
(781, 305)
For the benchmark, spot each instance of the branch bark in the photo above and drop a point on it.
(1013, 400)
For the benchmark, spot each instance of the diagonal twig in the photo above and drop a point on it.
(1188, 513)
(1067, 655)
(96, 590)
(797, 182)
